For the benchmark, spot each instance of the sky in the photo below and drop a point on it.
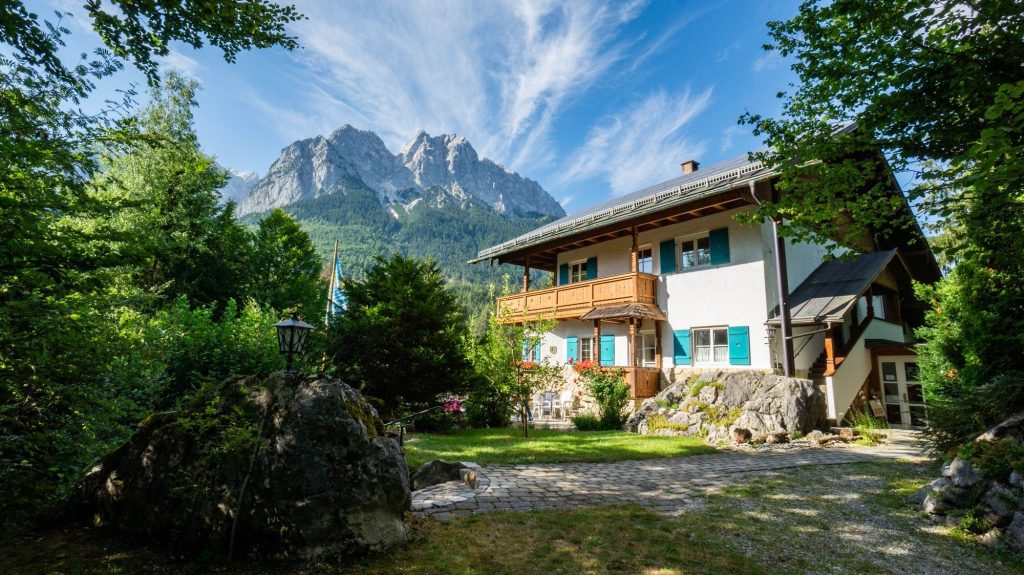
(590, 99)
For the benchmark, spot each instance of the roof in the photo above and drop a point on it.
(834, 287)
(681, 190)
(635, 310)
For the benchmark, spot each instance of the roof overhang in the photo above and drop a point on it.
(625, 311)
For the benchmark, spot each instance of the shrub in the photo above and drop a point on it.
(587, 422)
(867, 425)
(434, 422)
(656, 422)
(608, 386)
(485, 408)
(995, 459)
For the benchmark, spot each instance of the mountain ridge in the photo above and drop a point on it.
(314, 167)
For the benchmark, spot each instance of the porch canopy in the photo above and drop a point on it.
(835, 286)
(629, 310)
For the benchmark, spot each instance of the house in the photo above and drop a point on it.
(665, 282)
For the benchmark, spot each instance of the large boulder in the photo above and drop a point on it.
(436, 472)
(274, 465)
(714, 403)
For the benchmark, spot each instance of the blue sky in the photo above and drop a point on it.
(590, 99)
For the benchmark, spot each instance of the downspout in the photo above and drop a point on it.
(782, 286)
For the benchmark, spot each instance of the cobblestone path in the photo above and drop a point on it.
(664, 485)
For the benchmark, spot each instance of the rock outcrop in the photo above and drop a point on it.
(714, 404)
(981, 490)
(280, 465)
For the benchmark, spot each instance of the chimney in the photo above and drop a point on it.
(689, 166)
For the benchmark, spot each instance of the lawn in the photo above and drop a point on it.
(546, 446)
(828, 519)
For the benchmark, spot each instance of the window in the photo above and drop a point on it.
(586, 348)
(645, 261)
(711, 345)
(695, 252)
(645, 349)
(578, 272)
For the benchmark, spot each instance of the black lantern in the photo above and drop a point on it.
(291, 335)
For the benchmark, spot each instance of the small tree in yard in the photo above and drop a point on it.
(608, 386)
(501, 358)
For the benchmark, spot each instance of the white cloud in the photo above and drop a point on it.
(728, 135)
(566, 200)
(497, 72)
(767, 61)
(640, 146)
(182, 63)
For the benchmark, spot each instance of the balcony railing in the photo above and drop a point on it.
(573, 300)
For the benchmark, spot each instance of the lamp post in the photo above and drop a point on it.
(291, 335)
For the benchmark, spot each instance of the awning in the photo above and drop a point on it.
(832, 289)
(634, 310)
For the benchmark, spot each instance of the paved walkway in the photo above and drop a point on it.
(665, 485)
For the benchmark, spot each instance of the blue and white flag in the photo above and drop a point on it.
(337, 301)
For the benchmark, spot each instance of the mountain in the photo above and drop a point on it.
(436, 198)
(445, 168)
(238, 187)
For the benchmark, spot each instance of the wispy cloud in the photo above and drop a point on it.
(767, 61)
(497, 72)
(728, 135)
(630, 150)
(182, 63)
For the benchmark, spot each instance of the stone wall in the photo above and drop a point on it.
(713, 403)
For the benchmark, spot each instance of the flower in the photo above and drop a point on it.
(452, 404)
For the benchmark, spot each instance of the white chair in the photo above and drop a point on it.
(556, 405)
(545, 406)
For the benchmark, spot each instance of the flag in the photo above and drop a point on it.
(337, 301)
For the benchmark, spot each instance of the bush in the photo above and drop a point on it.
(587, 422)
(868, 426)
(995, 460)
(608, 386)
(486, 408)
(656, 422)
(434, 422)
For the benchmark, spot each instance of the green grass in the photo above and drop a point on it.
(546, 446)
(842, 519)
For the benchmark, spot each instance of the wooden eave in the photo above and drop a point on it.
(544, 256)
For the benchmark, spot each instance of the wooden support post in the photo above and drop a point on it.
(634, 265)
(526, 275)
(632, 342)
(657, 343)
(595, 347)
(830, 353)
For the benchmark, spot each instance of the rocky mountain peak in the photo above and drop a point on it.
(446, 164)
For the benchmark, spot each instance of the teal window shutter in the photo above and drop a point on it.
(668, 256)
(563, 274)
(739, 345)
(607, 350)
(719, 241)
(591, 268)
(682, 347)
(536, 354)
(571, 348)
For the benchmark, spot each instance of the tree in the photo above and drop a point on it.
(62, 340)
(936, 88)
(501, 359)
(401, 338)
(286, 269)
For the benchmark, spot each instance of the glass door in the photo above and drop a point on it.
(902, 392)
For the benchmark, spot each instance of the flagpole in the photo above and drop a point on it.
(330, 285)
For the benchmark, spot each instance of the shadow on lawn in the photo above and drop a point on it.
(835, 518)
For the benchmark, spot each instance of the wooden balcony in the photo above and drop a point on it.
(570, 301)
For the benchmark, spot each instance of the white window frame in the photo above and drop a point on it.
(647, 340)
(580, 355)
(713, 347)
(650, 260)
(578, 271)
(691, 241)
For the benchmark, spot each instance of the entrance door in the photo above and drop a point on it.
(901, 389)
